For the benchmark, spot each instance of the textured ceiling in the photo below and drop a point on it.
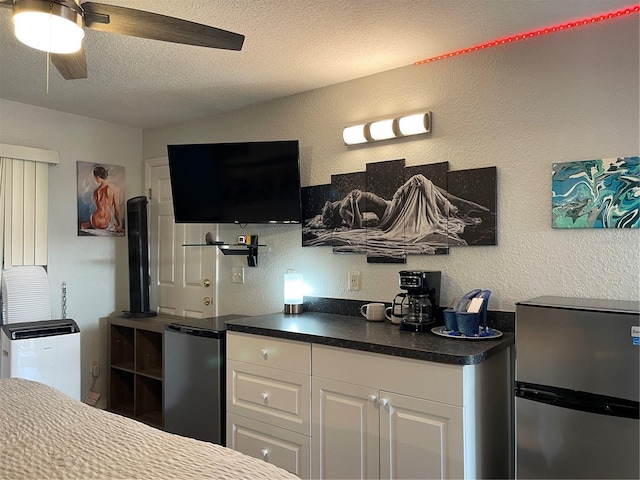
(291, 46)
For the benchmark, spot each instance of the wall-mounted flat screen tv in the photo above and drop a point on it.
(248, 182)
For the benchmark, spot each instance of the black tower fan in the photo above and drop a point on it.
(138, 259)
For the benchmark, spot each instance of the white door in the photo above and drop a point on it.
(420, 438)
(182, 277)
(345, 430)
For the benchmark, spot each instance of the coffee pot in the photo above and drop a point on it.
(420, 310)
(423, 297)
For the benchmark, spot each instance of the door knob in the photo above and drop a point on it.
(206, 283)
(264, 452)
(265, 353)
(373, 398)
(264, 396)
(206, 300)
(384, 402)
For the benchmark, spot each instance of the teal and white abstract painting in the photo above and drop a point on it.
(602, 193)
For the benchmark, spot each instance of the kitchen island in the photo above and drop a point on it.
(335, 396)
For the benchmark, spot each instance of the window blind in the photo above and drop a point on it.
(24, 205)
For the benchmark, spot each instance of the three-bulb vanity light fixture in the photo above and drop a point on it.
(403, 126)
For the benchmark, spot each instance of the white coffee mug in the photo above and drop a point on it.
(373, 312)
(397, 315)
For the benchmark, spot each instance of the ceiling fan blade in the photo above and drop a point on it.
(127, 21)
(72, 66)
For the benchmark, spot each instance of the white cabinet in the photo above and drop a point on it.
(328, 412)
(370, 422)
(269, 400)
(345, 430)
(420, 438)
(380, 416)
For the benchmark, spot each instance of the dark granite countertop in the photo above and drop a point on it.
(376, 337)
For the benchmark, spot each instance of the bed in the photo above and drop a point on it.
(46, 434)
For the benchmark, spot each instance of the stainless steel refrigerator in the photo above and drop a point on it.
(577, 388)
(194, 377)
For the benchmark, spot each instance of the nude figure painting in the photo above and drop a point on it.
(100, 200)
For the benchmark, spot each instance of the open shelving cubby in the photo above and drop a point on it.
(135, 369)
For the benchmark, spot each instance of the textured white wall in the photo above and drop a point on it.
(94, 268)
(563, 97)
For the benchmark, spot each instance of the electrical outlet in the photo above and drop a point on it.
(354, 280)
(237, 275)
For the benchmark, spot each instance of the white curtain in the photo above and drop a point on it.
(23, 212)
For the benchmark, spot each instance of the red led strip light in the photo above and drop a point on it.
(536, 33)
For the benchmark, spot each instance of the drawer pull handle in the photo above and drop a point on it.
(264, 452)
(373, 398)
(384, 402)
(264, 396)
(264, 353)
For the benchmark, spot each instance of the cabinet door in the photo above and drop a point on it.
(345, 430)
(283, 448)
(420, 438)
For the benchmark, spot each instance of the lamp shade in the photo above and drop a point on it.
(354, 135)
(382, 129)
(293, 292)
(414, 124)
(48, 26)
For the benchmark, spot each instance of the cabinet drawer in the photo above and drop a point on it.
(285, 449)
(270, 352)
(274, 396)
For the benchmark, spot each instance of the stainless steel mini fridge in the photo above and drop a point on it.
(194, 377)
(577, 388)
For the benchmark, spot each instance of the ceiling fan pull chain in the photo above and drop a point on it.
(48, 69)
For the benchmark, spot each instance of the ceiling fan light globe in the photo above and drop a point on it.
(48, 32)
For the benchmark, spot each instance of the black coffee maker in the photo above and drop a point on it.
(423, 295)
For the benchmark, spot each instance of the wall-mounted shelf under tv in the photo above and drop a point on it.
(247, 245)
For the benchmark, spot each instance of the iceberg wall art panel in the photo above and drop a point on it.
(602, 193)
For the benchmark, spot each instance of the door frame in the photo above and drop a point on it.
(149, 164)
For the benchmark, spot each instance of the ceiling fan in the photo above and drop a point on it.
(58, 27)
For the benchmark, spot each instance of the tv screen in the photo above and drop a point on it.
(249, 182)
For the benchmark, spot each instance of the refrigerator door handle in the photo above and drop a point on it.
(536, 394)
(620, 410)
(586, 402)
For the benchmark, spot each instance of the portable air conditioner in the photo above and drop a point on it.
(46, 351)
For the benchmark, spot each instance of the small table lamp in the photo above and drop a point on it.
(292, 292)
